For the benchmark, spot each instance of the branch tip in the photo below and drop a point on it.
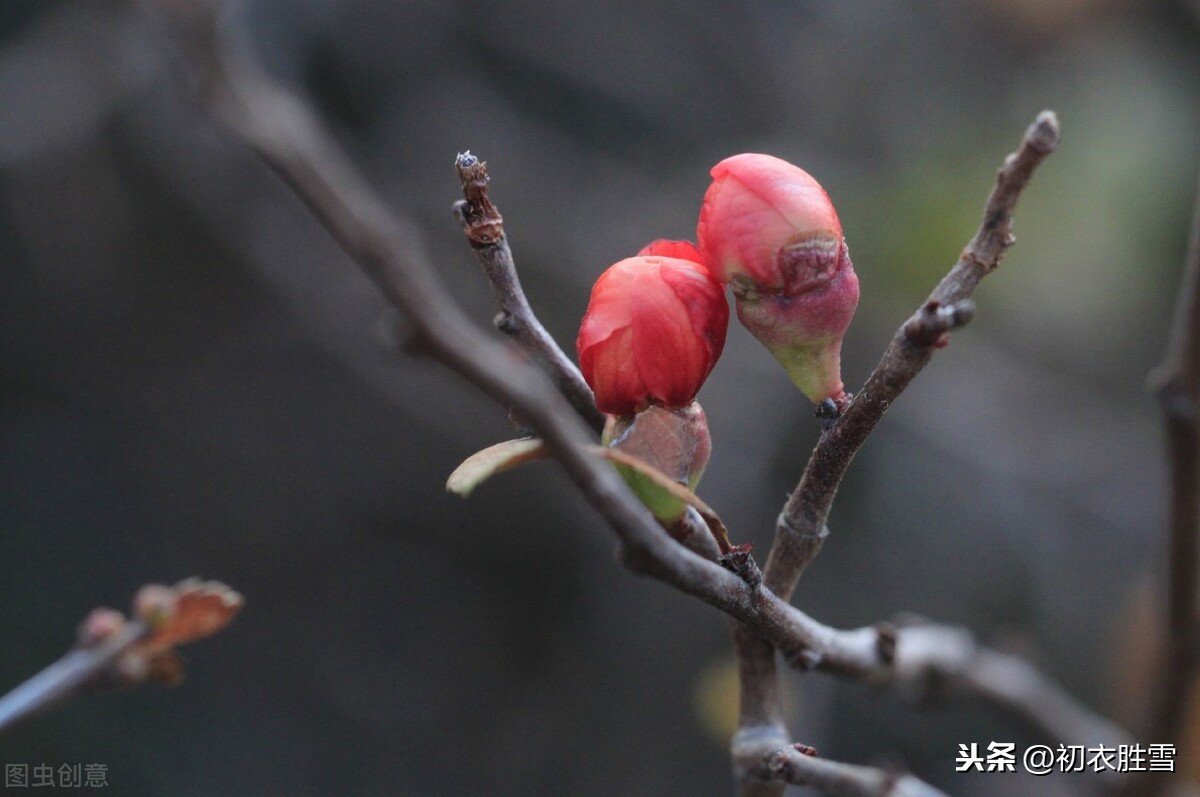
(465, 160)
(481, 221)
(1044, 134)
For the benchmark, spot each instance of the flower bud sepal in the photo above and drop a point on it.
(674, 442)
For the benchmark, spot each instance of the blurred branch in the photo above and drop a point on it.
(799, 765)
(1177, 384)
(289, 137)
(807, 508)
(484, 228)
(77, 672)
(930, 661)
(761, 729)
(1043, 705)
(113, 652)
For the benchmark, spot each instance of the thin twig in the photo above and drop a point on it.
(1177, 384)
(484, 228)
(289, 137)
(792, 765)
(113, 651)
(912, 347)
(76, 673)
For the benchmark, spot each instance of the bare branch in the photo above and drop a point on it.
(761, 729)
(114, 652)
(928, 662)
(1177, 384)
(484, 228)
(799, 765)
(285, 133)
(74, 674)
(1001, 679)
(912, 347)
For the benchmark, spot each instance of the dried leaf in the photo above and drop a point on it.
(201, 608)
(166, 668)
(482, 465)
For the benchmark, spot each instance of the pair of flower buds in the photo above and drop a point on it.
(656, 323)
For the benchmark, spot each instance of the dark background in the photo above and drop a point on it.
(193, 380)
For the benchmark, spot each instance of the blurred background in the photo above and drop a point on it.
(193, 380)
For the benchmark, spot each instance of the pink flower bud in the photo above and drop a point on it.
(653, 330)
(684, 250)
(768, 229)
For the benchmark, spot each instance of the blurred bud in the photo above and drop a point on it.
(99, 625)
(769, 230)
(675, 442)
(154, 604)
(653, 330)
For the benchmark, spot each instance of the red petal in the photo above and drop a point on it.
(669, 358)
(704, 299)
(609, 369)
(755, 206)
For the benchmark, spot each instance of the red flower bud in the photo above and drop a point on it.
(652, 332)
(769, 230)
(684, 250)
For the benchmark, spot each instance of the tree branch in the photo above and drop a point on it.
(1177, 384)
(928, 662)
(289, 138)
(761, 726)
(807, 508)
(484, 228)
(76, 673)
(113, 652)
(795, 764)
(761, 729)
